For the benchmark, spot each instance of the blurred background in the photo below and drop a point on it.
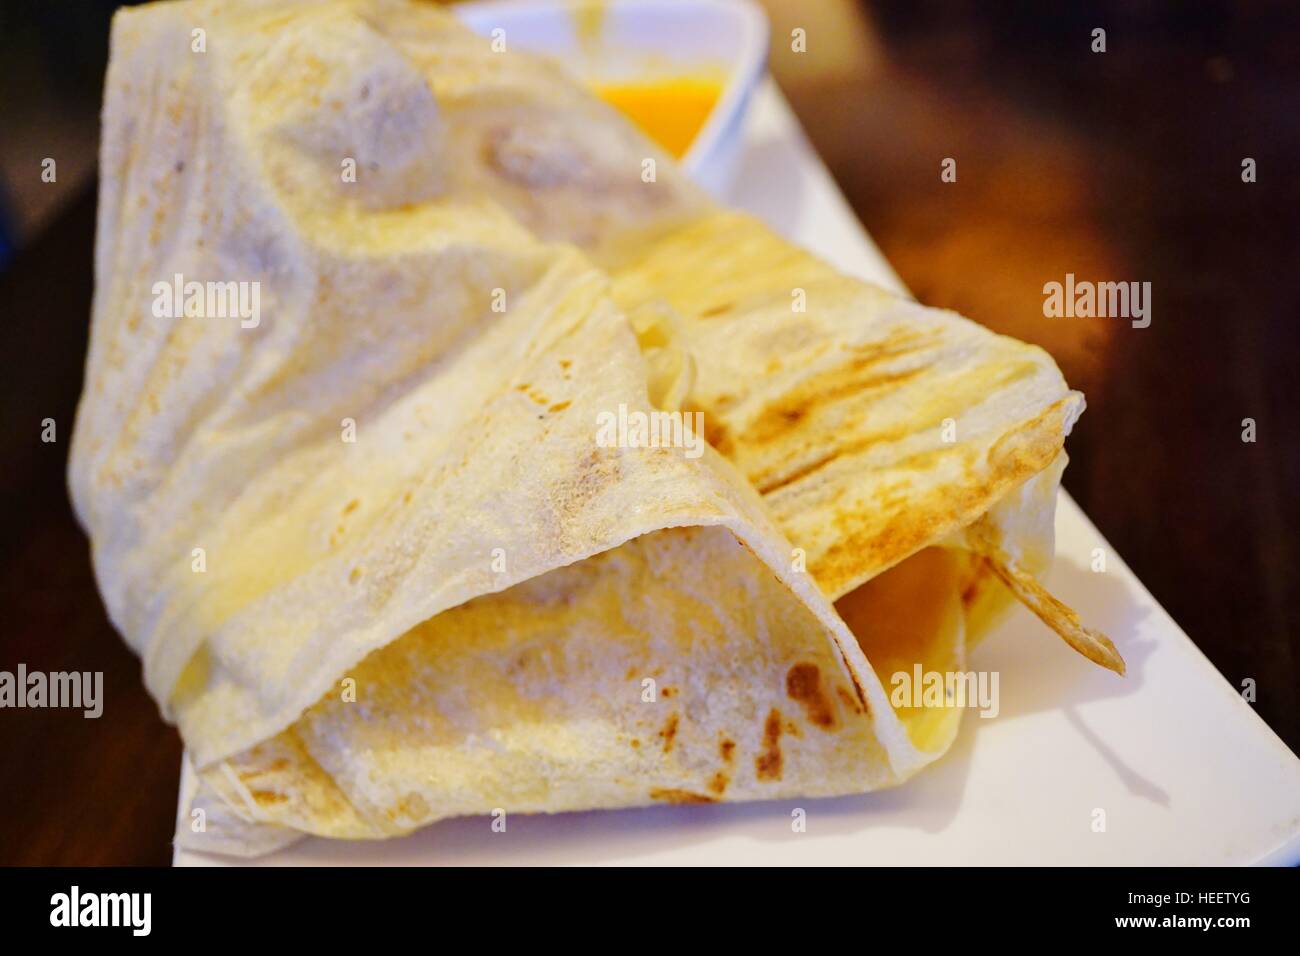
(1117, 166)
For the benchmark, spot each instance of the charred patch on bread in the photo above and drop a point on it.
(803, 684)
(767, 765)
(673, 795)
(834, 385)
(267, 797)
(669, 732)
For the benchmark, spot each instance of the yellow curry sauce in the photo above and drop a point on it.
(670, 111)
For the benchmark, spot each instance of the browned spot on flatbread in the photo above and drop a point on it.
(728, 749)
(1031, 446)
(267, 796)
(826, 388)
(667, 692)
(351, 506)
(559, 406)
(533, 394)
(673, 795)
(718, 783)
(767, 765)
(782, 419)
(767, 481)
(803, 471)
(869, 540)
(716, 310)
(848, 700)
(669, 733)
(803, 683)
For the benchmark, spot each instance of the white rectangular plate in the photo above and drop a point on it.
(1179, 764)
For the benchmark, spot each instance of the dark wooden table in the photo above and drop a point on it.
(1122, 166)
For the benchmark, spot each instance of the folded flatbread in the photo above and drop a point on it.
(359, 526)
(874, 427)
